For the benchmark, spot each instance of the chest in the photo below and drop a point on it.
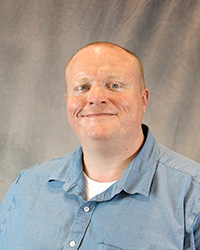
(126, 222)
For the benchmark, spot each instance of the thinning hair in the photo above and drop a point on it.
(136, 60)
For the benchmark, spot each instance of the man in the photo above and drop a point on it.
(120, 189)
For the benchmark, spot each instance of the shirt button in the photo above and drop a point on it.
(86, 209)
(72, 243)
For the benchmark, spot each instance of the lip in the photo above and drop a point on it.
(98, 115)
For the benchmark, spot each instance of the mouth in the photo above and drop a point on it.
(98, 115)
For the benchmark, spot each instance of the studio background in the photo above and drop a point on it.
(38, 37)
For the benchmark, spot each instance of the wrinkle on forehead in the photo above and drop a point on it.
(101, 70)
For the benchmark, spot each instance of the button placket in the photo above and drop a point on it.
(80, 224)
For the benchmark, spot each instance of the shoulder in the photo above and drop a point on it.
(34, 180)
(175, 165)
(179, 163)
(182, 176)
(55, 166)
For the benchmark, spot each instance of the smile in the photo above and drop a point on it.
(99, 115)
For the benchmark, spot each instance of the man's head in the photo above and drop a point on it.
(105, 92)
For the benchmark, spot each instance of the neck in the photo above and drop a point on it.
(106, 160)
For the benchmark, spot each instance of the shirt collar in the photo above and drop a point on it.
(69, 170)
(137, 178)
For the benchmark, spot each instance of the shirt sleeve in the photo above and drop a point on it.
(6, 210)
(196, 227)
(193, 224)
(197, 235)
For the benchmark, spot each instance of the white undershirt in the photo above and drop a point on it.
(94, 187)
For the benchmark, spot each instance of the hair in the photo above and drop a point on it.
(136, 60)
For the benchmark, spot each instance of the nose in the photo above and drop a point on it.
(97, 96)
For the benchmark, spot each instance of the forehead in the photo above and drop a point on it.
(101, 59)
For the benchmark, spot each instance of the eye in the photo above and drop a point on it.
(113, 86)
(82, 88)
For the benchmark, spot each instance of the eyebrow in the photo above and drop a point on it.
(114, 77)
(82, 79)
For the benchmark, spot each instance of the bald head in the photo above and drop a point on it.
(108, 48)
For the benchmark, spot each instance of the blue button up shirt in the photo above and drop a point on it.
(155, 206)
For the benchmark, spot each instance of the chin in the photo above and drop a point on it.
(99, 135)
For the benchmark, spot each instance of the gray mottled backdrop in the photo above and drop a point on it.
(37, 37)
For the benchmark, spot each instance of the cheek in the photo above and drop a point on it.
(71, 107)
(133, 109)
(74, 105)
(130, 104)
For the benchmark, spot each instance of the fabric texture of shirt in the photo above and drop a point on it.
(155, 205)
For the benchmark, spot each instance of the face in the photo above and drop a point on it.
(104, 96)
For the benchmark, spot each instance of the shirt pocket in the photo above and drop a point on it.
(104, 246)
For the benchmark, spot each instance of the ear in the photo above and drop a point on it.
(66, 97)
(145, 98)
